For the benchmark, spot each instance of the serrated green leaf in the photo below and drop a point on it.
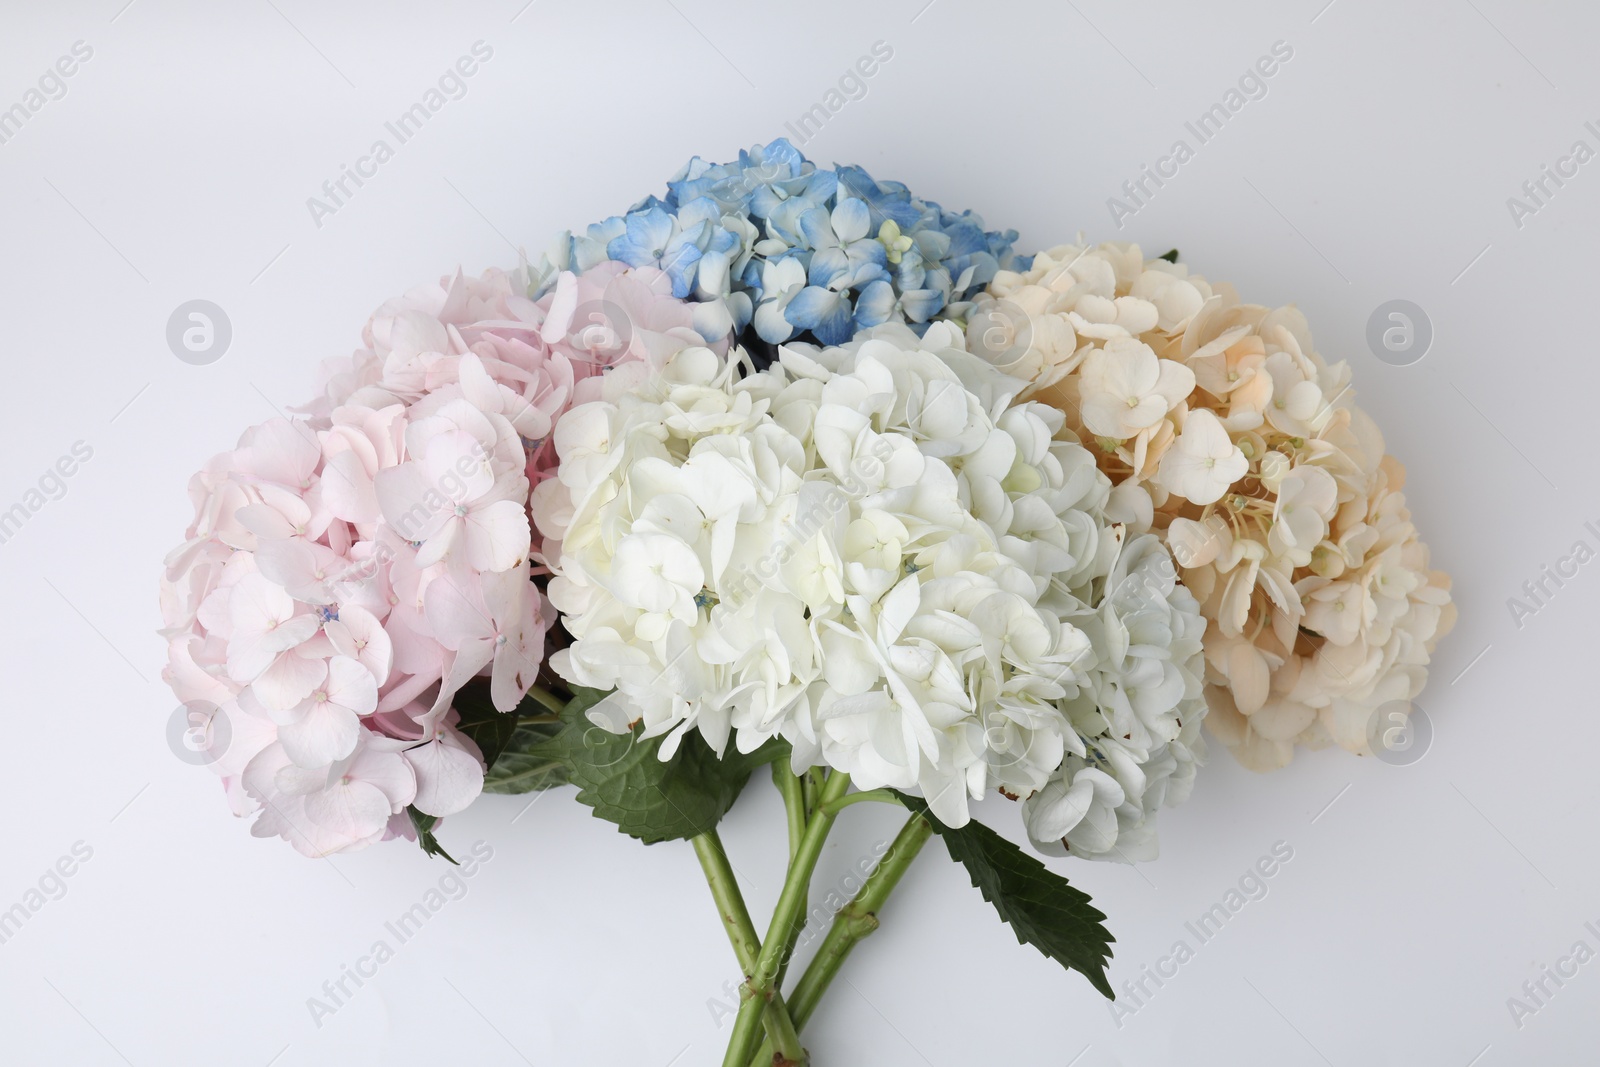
(623, 779)
(424, 825)
(1042, 909)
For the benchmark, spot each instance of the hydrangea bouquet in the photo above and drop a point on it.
(791, 469)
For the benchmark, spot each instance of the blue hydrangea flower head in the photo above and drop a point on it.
(801, 252)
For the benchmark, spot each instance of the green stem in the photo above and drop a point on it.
(547, 698)
(794, 802)
(742, 934)
(786, 921)
(814, 779)
(882, 796)
(855, 921)
(808, 793)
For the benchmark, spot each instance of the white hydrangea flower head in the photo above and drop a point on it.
(873, 552)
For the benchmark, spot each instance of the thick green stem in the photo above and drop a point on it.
(787, 919)
(746, 944)
(855, 921)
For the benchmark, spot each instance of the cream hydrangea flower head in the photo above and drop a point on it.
(874, 552)
(1271, 487)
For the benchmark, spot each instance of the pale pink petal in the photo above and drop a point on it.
(448, 779)
(497, 537)
(349, 808)
(326, 732)
(351, 685)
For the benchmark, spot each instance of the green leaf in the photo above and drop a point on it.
(520, 769)
(424, 825)
(623, 779)
(1171, 255)
(490, 728)
(495, 733)
(1041, 908)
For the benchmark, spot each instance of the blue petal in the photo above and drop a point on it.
(649, 231)
(920, 305)
(829, 266)
(816, 228)
(784, 154)
(875, 304)
(701, 209)
(607, 231)
(965, 238)
(681, 268)
(820, 187)
(851, 219)
(837, 328)
(862, 273)
(814, 305)
(865, 255)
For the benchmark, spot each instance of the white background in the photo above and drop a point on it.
(1378, 166)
